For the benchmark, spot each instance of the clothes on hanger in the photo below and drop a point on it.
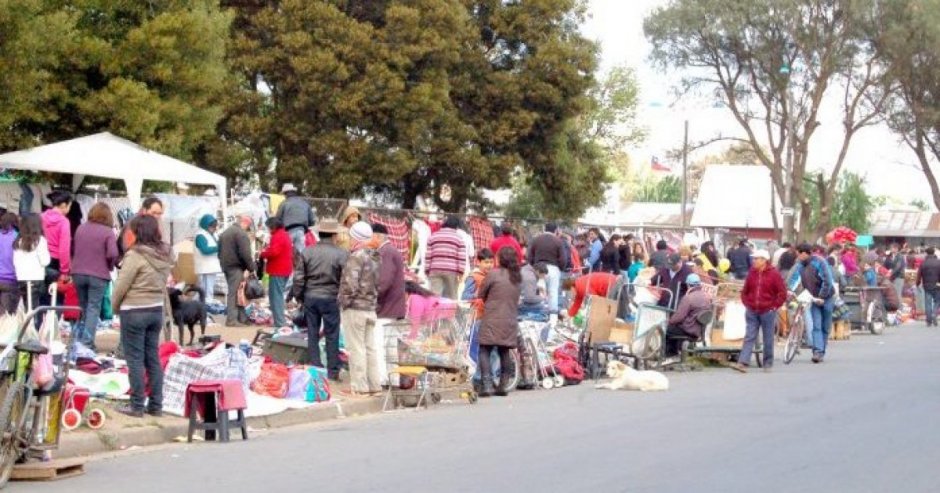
(399, 234)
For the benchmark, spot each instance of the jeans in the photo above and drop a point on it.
(822, 324)
(234, 314)
(764, 324)
(364, 372)
(90, 295)
(9, 296)
(553, 286)
(140, 337)
(276, 287)
(297, 238)
(323, 311)
(931, 300)
(899, 287)
(207, 283)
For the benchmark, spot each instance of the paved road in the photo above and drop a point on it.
(865, 421)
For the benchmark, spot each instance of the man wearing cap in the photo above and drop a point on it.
(392, 300)
(813, 273)
(763, 294)
(317, 275)
(235, 258)
(684, 321)
(674, 278)
(358, 292)
(296, 214)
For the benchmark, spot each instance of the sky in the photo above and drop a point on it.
(889, 166)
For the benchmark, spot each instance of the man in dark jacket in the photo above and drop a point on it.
(813, 273)
(547, 248)
(928, 276)
(317, 275)
(674, 279)
(897, 263)
(297, 215)
(740, 259)
(391, 301)
(763, 294)
(685, 321)
(235, 258)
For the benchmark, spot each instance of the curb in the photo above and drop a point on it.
(98, 442)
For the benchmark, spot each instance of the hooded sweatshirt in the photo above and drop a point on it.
(141, 282)
(7, 271)
(58, 232)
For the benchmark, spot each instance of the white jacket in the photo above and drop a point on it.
(31, 266)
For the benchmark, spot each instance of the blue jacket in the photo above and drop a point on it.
(595, 258)
(205, 222)
(818, 280)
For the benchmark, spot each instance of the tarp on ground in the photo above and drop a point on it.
(107, 155)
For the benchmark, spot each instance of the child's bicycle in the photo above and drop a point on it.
(22, 410)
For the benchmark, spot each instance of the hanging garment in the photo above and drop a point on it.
(399, 235)
(482, 232)
(422, 233)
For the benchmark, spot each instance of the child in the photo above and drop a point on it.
(30, 258)
(474, 281)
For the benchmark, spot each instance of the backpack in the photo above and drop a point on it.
(318, 388)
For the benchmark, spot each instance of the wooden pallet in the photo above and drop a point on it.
(48, 471)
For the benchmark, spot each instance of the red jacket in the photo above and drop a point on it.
(764, 290)
(597, 283)
(507, 241)
(279, 254)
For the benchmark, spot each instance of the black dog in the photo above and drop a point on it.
(188, 312)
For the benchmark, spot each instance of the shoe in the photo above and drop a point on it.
(334, 377)
(817, 358)
(128, 410)
(487, 389)
(768, 369)
(503, 389)
(738, 367)
(156, 414)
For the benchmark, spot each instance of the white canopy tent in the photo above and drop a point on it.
(107, 155)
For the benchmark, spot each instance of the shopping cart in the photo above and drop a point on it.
(429, 357)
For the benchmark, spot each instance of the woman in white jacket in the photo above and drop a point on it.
(30, 258)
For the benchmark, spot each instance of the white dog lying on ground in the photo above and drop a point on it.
(626, 378)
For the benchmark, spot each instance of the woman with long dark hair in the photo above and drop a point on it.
(30, 258)
(499, 327)
(140, 296)
(58, 232)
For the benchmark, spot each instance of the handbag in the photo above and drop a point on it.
(253, 288)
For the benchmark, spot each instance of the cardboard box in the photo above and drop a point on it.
(621, 332)
(718, 340)
(841, 330)
(185, 269)
(601, 317)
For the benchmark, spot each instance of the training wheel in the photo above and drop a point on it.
(559, 381)
(548, 383)
(96, 418)
(71, 419)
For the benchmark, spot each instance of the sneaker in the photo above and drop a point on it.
(738, 367)
(156, 413)
(128, 410)
(817, 358)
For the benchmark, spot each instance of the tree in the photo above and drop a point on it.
(772, 63)
(667, 189)
(920, 205)
(151, 72)
(910, 36)
(852, 206)
(411, 97)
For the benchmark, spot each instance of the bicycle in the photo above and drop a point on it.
(796, 328)
(22, 409)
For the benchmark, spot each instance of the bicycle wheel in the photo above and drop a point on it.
(12, 413)
(793, 339)
(876, 318)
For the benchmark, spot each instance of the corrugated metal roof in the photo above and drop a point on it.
(906, 224)
(735, 197)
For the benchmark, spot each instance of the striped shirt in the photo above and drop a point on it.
(446, 252)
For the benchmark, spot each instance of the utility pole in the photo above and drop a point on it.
(787, 207)
(685, 175)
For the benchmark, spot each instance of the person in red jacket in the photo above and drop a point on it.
(596, 283)
(507, 240)
(763, 294)
(280, 265)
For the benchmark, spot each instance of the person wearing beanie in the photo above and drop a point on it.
(391, 301)
(206, 255)
(684, 322)
(280, 265)
(358, 294)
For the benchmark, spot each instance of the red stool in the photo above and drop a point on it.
(213, 399)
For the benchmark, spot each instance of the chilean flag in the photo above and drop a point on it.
(656, 165)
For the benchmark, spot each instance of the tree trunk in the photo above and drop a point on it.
(824, 220)
(920, 150)
(409, 197)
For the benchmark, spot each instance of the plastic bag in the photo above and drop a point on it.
(8, 328)
(318, 389)
(299, 380)
(43, 373)
(253, 288)
(273, 381)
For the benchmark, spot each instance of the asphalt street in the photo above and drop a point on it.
(864, 421)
